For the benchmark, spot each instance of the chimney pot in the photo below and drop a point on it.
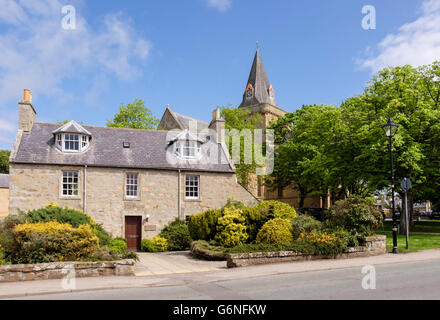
(27, 95)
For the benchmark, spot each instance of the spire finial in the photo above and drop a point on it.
(258, 46)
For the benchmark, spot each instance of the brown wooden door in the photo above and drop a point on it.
(133, 233)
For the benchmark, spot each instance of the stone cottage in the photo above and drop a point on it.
(133, 182)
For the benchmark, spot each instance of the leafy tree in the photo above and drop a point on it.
(307, 141)
(135, 115)
(4, 161)
(241, 119)
(411, 97)
(344, 150)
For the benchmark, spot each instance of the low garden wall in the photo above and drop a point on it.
(372, 246)
(59, 270)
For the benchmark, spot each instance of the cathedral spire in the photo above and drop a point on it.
(258, 88)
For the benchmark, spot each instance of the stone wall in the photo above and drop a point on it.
(59, 270)
(35, 186)
(4, 202)
(372, 246)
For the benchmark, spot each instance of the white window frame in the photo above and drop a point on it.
(68, 179)
(69, 139)
(187, 149)
(131, 180)
(192, 187)
(62, 138)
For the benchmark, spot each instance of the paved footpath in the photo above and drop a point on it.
(202, 272)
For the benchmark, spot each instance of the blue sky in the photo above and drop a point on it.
(196, 54)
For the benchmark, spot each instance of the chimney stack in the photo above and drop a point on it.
(27, 95)
(26, 112)
(218, 124)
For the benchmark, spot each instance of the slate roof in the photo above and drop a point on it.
(185, 120)
(148, 149)
(4, 181)
(72, 127)
(259, 80)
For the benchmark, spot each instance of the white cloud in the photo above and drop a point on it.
(415, 43)
(220, 5)
(37, 53)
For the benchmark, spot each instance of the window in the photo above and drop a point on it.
(192, 187)
(70, 183)
(59, 140)
(71, 142)
(85, 142)
(131, 185)
(187, 149)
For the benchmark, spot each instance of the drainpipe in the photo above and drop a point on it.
(85, 190)
(179, 197)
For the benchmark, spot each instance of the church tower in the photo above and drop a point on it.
(259, 95)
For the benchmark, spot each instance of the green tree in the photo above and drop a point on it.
(135, 115)
(241, 119)
(307, 142)
(411, 97)
(4, 161)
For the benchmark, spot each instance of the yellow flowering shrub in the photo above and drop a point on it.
(231, 230)
(324, 243)
(51, 242)
(156, 244)
(276, 231)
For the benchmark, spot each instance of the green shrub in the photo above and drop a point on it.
(7, 226)
(104, 237)
(178, 236)
(207, 251)
(117, 245)
(276, 231)
(156, 244)
(52, 242)
(356, 215)
(231, 230)
(272, 209)
(203, 226)
(324, 243)
(233, 204)
(75, 218)
(254, 220)
(2, 256)
(304, 223)
(53, 212)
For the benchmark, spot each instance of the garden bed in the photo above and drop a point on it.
(372, 246)
(59, 270)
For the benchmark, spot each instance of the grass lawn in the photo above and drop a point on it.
(423, 235)
(417, 241)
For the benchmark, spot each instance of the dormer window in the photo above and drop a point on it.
(187, 149)
(72, 137)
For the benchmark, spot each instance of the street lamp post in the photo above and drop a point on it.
(390, 130)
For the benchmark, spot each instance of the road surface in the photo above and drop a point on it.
(415, 280)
